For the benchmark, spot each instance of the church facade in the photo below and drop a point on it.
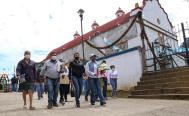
(127, 42)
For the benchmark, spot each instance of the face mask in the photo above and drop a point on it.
(27, 56)
(54, 58)
(77, 58)
(113, 69)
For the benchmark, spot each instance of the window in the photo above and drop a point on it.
(158, 21)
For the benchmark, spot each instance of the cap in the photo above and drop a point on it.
(92, 55)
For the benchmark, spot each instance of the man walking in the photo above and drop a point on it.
(26, 69)
(51, 71)
(94, 83)
(76, 71)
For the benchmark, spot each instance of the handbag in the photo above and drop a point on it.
(72, 90)
(22, 78)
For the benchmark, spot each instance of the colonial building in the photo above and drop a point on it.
(132, 41)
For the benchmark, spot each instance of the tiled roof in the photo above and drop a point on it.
(100, 29)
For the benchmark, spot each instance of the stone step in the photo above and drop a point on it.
(162, 96)
(180, 69)
(164, 80)
(165, 75)
(178, 90)
(163, 85)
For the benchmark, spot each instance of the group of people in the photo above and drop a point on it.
(58, 76)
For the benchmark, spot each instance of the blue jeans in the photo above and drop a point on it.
(14, 87)
(40, 89)
(86, 87)
(95, 87)
(113, 82)
(53, 87)
(104, 88)
(78, 84)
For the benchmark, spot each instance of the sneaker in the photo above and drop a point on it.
(55, 104)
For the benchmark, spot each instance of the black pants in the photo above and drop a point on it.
(104, 89)
(64, 90)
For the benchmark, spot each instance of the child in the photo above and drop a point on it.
(113, 76)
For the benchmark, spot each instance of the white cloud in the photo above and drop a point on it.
(42, 25)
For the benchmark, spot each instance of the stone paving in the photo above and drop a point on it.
(11, 105)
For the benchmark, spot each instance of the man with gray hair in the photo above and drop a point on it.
(51, 70)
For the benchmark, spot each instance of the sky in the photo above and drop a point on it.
(42, 25)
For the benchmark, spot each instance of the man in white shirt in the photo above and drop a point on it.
(94, 83)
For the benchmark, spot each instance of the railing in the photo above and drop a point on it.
(166, 56)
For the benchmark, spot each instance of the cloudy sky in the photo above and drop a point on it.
(42, 25)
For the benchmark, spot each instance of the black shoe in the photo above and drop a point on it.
(102, 103)
(55, 104)
(49, 106)
(66, 100)
(42, 96)
(86, 98)
(61, 101)
(78, 105)
(92, 104)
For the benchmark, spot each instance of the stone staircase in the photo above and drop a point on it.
(169, 84)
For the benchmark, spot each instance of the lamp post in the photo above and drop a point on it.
(80, 12)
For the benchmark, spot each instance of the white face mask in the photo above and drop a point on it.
(27, 56)
(113, 69)
(54, 58)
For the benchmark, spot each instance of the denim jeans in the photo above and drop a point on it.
(104, 89)
(53, 87)
(40, 89)
(78, 84)
(113, 82)
(86, 87)
(14, 87)
(95, 87)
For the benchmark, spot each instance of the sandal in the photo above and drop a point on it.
(32, 108)
(25, 107)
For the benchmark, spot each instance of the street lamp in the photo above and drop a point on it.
(80, 12)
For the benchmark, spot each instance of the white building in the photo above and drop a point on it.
(131, 54)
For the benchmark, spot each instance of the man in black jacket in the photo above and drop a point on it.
(26, 69)
(76, 71)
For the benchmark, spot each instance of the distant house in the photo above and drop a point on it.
(131, 54)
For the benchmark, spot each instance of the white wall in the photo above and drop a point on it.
(129, 67)
(157, 12)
